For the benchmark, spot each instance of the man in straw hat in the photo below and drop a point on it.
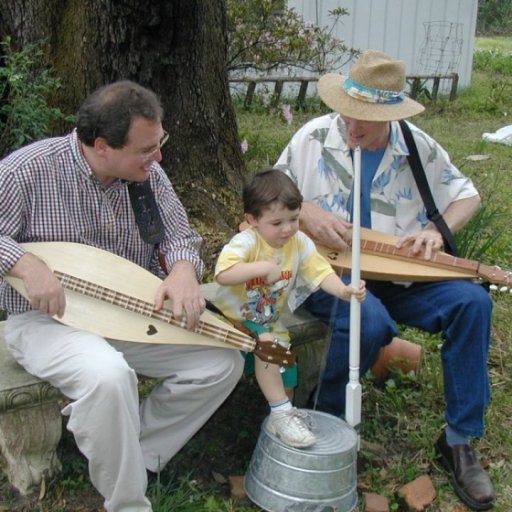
(368, 104)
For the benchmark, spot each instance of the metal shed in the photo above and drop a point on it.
(431, 37)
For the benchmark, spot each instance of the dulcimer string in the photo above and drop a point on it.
(388, 253)
(239, 340)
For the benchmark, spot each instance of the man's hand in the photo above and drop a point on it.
(429, 240)
(456, 216)
(325, 227)
(182, 289)
(44, 290)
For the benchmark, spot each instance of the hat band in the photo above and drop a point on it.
(370, 94)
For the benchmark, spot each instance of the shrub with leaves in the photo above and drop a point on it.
(264, 36)
(493, 61)
(25, 86)
(494, 17)
(497, 64)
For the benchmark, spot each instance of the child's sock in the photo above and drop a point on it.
(280, 405)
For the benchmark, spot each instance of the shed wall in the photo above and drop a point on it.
(432, 37)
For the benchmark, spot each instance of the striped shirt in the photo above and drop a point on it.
(49, 193)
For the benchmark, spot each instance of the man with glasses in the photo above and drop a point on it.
(88, 187)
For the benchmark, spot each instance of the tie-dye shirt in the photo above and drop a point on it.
(319, 161)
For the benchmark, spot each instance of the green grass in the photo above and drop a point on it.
(400, 419)
(503, 44)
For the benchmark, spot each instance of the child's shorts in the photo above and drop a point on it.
(289, 375)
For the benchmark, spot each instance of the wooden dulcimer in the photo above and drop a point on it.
(382, 260)
(113, 297)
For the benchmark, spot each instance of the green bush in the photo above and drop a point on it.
(493, 61)
(25, 86)
(490, 91)
(494, 17)
(263, 35)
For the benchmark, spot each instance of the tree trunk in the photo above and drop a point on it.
(178, 49)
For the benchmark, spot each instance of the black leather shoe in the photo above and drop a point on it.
(471, 483)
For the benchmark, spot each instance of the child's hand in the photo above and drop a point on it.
(266, 336)
(272, 272)
(359, 293)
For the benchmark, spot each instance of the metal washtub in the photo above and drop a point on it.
(321, 478)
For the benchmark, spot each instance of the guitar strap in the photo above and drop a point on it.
(290, 359)
(235, 323)
(426, 194)
(147, 215)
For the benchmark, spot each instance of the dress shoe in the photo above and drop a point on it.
(470, 481)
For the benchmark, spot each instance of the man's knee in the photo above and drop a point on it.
(235, 365)
(223, 364)
(472, 297)
(482, 298)
(377, 326)
(111, 377)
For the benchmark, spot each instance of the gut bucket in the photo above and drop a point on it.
(321, 478)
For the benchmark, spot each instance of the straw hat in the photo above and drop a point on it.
(373, 91)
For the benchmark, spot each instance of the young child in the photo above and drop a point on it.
(265, 267)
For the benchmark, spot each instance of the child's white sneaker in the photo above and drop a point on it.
(291, 427)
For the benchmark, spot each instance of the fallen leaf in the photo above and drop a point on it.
(42, 489)
(477, 158)
(219, 478)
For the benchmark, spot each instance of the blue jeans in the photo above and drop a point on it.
(460, 310)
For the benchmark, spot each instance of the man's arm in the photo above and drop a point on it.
(324, 227)
(44, 290)
(181, 287)
(460, 212)
(456, 216)
(181, 242)
(183, 264)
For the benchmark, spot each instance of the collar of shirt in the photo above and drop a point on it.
(82, 166)
(335, 139)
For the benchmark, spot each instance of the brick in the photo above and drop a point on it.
(236, 485)
(419, 493)
(375, 503)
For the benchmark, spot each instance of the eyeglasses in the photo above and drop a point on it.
(146, 156)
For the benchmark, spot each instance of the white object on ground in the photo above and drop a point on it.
(502, 136)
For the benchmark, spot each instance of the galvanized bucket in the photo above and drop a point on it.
(322, 478)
